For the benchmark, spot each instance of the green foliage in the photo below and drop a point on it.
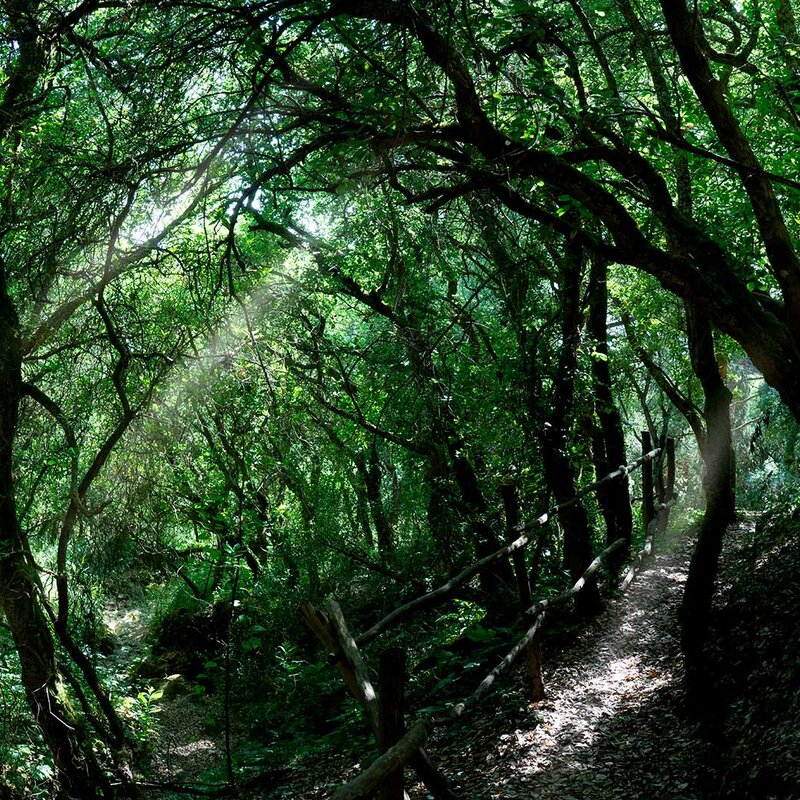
(282, 283)
(463, 619)
(770, 451)
(141, 711)
(25, 767)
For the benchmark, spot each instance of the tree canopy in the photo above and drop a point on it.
(298, 296)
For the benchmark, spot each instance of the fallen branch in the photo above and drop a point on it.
(393, 759)
(562, 598)
(487, 682)
(435, 595)
(330, 629)
(351, 653)
(619, 472)
(642, 556)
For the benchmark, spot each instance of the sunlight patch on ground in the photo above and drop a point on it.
(118, 620)
(676, 577)
(580, 701)
(570, 717)
(194, 748)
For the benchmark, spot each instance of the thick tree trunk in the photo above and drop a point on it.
(78, 773)
(497, 575)
(615, 498)
(441, 519)
(719, 458)
(560, 479)
(558, 469)
(553, 434)
(719, 487)
(372, 480)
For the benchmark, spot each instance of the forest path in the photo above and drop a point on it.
(612, 724)
(183, 748)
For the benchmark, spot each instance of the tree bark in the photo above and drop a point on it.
(769, 334)
(615, 497)
(510, 497)
(558, 470)
(78, 773)
(557, 408)
(372, 479)
(391, 709)
(719, 457)
(719, 488)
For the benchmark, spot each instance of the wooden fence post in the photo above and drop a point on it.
(648, 507)
(331, 631)
(667, 459)
(364, 785)
(534, 647)
(534, 659)
(391, 724)
(660, 483)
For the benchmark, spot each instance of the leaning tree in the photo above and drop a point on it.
(112, 139)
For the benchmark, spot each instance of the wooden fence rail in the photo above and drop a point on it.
(434, 596)
(330, 628)
(537, 614)
(395, 758)
(385, 712)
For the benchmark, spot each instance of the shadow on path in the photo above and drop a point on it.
(612, 725)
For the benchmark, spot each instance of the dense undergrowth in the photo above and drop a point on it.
(289, 707)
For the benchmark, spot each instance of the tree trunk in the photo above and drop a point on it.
(498, 575)
(558, 470)
(719, 488)
(362, 500)
(557, 409)
(441, 519)
(615, 498)
(78, 773)
(577, 535)
(372, 480)
(391, 721)
(510, 497)
(719, 458)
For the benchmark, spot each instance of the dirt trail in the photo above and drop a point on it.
(183, 749)
(612, 723)
(611, 726)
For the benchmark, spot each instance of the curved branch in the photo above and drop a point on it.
(55, 411)
(688, 36)
(50, 405)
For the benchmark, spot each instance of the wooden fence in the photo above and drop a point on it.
(385, 708)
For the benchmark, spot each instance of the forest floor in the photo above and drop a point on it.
(612, 724)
